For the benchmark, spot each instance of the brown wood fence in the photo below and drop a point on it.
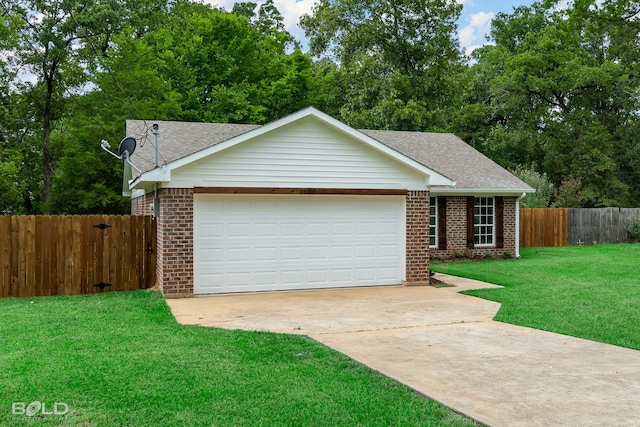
(543, 227)
(68, 255)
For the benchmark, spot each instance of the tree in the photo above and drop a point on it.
(57, 43)
(88, 180)
(397, 60)
(554, 91)
(228, 70)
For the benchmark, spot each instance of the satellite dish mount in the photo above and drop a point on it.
(125, 150)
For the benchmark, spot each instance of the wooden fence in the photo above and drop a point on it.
(600, 225)
(68, 255)
(562, 227)
(543, 227)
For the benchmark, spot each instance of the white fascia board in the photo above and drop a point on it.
(137, 193)
(480, 191)
(432, 177)
(160, 174)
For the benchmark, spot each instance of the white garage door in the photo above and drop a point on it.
(270, 242)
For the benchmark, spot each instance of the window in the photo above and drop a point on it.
(433, 222)
(483, 221)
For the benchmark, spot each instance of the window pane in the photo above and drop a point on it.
(483, 220)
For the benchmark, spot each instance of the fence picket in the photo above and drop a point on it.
(561, 227)
(5, 256)
(66, 255)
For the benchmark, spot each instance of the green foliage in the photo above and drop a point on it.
(398, 61)
(227, 70)
(554, 91)
(142, 59)
(59, 44)
(10, 195)
(568, 195)
(538, 181)
(634, 229)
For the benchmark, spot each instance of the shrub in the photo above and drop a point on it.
(634, 229)
(458, 254)
(540, 182)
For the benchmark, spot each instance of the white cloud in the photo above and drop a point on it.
(472, 35)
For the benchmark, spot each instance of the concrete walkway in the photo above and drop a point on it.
(446, 346)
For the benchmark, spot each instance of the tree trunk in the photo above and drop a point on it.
(47, 159)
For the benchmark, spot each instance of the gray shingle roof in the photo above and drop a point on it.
(178, 139)
(442, 152)
(449, 155)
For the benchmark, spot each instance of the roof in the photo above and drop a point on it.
(443, 153)
(186, 138)
(451, 156)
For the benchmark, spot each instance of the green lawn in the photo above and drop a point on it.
(591, 292)
(120, 359)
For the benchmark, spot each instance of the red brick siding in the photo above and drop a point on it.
(457, 230)
(175, 241)
(417, 262)
(142, 205)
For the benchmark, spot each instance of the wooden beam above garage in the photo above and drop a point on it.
(327, 191)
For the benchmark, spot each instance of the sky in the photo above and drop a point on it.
(473, 26)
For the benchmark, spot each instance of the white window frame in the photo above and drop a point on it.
(433, 216)
(484, 222)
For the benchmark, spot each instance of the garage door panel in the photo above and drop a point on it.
(292, 253)
(318, 253)
(388, 273)
(367, 274)
(318, 229)
(266, 254)
(265, 230)
(249, 243)
(318, 276)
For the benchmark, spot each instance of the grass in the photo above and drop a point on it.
(120, 359)
(590, 292)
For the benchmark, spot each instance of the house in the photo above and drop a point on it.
(309, 202)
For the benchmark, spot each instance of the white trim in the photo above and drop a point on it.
(480, 192)
(517, 254)
(403, 237)
(435, 245)
(137, 193)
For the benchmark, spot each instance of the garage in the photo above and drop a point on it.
(304, 202)
(264, 242)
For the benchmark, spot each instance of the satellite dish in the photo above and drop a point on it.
(127, 145)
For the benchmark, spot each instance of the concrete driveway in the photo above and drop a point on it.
(446, 346)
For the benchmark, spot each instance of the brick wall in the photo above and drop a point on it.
(142, 205)
(457, 230)
(175, 242)
(417, 262)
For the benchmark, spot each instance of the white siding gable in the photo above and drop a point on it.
(307, 153)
